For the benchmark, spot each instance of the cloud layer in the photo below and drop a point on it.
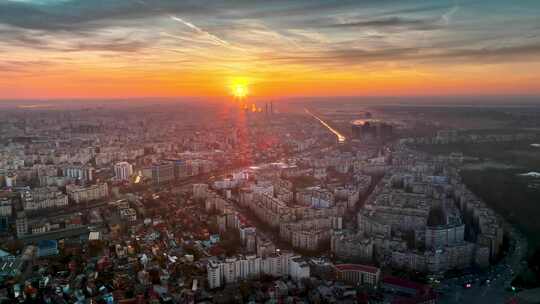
(160, 41)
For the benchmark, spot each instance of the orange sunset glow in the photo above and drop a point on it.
(269, 151)
(277, 50)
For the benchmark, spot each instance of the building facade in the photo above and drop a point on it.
(123, 171)
(356, 274)
(78, 194)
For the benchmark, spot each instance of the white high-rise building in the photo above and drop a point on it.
(214, 272)
(6, 207)
(123, 171)
(21, 224)
(79, 172)
(232, 270)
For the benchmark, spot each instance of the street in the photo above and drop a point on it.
(494, 286)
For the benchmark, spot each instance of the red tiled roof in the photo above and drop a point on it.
(403, 283)
(416, 299)
(356, 267)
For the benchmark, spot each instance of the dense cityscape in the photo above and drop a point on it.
(189, 204)
(276, 152)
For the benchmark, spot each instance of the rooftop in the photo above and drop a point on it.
(403, 283)
(356, 267)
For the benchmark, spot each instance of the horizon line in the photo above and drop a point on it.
(259, 98)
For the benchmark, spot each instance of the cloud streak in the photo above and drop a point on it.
(200, 31)
(520, 53)
(446, 18)
(390, 22)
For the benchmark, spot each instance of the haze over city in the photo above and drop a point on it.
(367, 151)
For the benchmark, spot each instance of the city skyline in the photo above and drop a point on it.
(269, 151)
(58, 49)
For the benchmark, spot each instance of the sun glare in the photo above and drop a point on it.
(240, 91)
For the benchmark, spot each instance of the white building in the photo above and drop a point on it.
(6, 207)
(356, 274)
(82, 173)
(298, 268)
(315, 197)
(123, 171)
(80, 194)
(43, 198)
(346, 245)
(232, 270)
(214, 274)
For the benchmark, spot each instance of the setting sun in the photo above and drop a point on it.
(376, 133)
(240, 91)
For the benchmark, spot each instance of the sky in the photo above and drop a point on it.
(57, 49)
